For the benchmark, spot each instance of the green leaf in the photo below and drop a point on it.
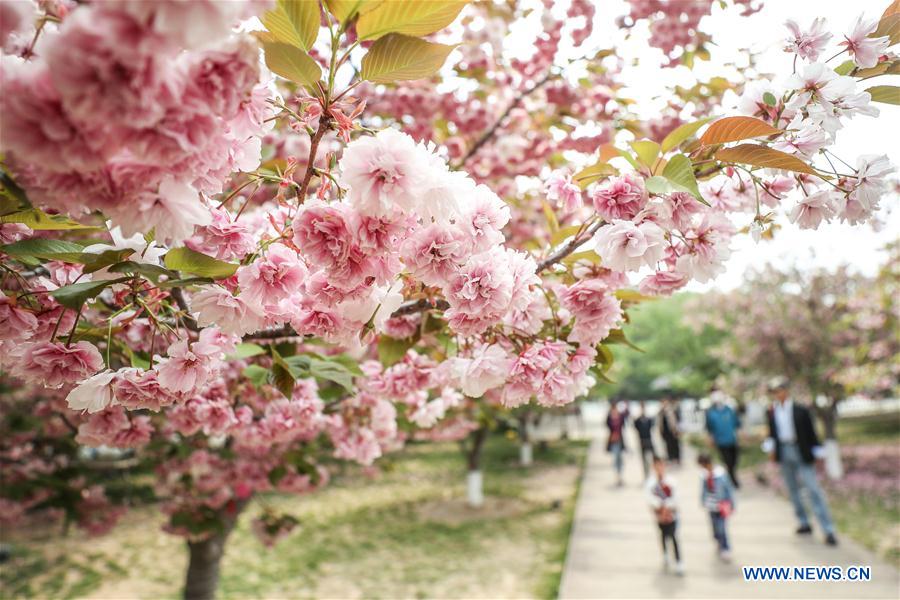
(679, 171)
(410, 17)
(191, 261)
(294, 22)
(397, 57)
(139, 360)
(331, 371)
(681, 133)
(344, 10)
(769, 99)
(152, 272)
(95, 261)
(246, 350)
(888, 94)
(845, 67)
(12, 191)
(647, 151)
(282, 376)
(552, 221)
(256, 374)
(658, 185)
(595, 172)
(184, 282)
(617, 336)
(391, 350)
(76, 294)
(291, 63)
(627, 156)
(38, 220)
(43, 248)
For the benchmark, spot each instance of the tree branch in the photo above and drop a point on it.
(570, 246)
(324, 125)
(486, 137)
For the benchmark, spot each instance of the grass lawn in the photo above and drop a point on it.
(405, 532)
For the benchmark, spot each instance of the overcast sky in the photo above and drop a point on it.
(764, 33)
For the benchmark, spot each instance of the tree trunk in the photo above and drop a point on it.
(474, 484)
(834, 467)
(525, 450)
(206, 557)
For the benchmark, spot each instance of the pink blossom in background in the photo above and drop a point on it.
(563, 192)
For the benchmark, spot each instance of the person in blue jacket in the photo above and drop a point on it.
(717, 497)
(722, 424)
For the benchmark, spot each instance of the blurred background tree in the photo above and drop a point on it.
(673, 356)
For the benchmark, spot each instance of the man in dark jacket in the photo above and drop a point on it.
(794, 444)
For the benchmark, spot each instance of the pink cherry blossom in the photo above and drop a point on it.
(562, 191)
(595, 308)
(271, 277)
(810, 43)
(140, 389)
(482, 218)
(322, 233)
(620, 197)
(624, 246)
(173, 211)
(662, 283)
(54, 364)
(213, 305)
(434, 254)
(865, 50)
(15, 323)
(480, 292)
(94, 393)
(485, 368)
(384, 173)
(224, 237)
(809, 212)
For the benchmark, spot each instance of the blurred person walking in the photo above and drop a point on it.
(660, 489)
(644, 426)
(669, 417)
(717, 497)
(615, 444)
(794, 444)
(722, 424)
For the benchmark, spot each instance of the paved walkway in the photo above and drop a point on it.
(614, 548)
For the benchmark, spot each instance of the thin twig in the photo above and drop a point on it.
(486, 137)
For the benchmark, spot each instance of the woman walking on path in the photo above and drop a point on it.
(717, 498)
(669, 429)
(660, 490)
(615, 422)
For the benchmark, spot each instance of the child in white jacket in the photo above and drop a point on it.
(660, 490)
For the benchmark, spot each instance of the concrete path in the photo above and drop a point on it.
(614, 549)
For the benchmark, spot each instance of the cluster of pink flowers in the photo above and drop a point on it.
(812, 106)
(135, 109)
